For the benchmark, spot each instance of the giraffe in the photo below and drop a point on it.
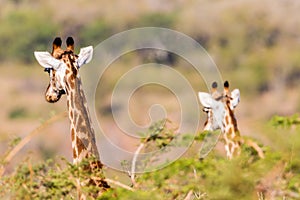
(63, 68)
(220, 112)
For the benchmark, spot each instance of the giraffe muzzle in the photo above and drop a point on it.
(54, 96)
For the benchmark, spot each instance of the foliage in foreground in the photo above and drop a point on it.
(47, 180)
(214, 177)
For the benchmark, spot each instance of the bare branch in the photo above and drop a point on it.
(27, 138)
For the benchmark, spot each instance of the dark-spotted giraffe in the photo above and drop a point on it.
(63, 68)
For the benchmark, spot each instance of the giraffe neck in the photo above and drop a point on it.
(231, 133)
(82, 132)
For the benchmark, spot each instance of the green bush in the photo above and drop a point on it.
(95, 32)
(22, 32)
(17, 113)
(214, 177)
(157, 19)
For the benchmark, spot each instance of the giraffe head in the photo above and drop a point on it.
(62, 65)
(216, 105)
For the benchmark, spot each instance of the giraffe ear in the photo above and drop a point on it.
(46, 60)
(85, 56)
(235, 95)
(205, 99)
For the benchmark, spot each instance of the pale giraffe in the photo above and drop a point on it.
(220, 111)
(63, 68)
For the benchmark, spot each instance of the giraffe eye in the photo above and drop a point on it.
(205, 109)
(47, 70)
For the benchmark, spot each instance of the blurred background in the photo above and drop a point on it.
(254, 43)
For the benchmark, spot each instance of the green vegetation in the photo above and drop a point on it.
(214, 177)
(18, 113)
(286, 122)
(96, 31)
(22, 32)
(158, 19)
